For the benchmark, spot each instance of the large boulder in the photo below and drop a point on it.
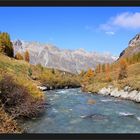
(104, 91)
(123, 94)
(127, 88)
(115, 93)
(137, 99)
(132, 95)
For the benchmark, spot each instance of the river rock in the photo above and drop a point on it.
(110, 86)
(132, 95)
(91, 101)
(127, 88)
(109, 91)
(126, 93)
(43, 88)
(123, 94)
(115, 93)
(138, 97)
(95, 117)
(104, 91)
(66, 87)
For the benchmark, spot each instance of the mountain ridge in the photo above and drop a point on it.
(51, 56)
(133, 47)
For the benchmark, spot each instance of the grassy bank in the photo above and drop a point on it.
(99, 80)
(53, 78)
(19, 96)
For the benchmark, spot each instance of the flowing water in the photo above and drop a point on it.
(70, 112)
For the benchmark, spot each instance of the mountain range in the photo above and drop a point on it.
(51, 56)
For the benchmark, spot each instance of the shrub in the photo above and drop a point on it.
(18, 56)
(53, 71)
(29, 71)
(40, 67)
(17, 99)
(7, 124)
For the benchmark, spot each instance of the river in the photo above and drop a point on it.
(69, 112)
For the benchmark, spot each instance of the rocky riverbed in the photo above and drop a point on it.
(126, 93)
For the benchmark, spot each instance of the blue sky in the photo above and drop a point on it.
(101, 29)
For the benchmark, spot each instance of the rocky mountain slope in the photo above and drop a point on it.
(133, 47)
(68, 60)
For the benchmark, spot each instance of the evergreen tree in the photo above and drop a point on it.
(6, 46)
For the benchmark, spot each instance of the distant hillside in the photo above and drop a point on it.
(67, 60)
(133, 47)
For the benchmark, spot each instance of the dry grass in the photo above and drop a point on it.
(18, 69)
(55, 78)
(8, 124)
(132, 80)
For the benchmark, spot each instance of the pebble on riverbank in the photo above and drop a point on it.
(43, 88)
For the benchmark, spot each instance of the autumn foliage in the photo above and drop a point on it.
(6, 46)
(90, 73)
(133, 59)
(17, 100)
(98, 68)
(88, 76)
(107, 72)
(18, 56)
(7, 123)
(27, 56)
(123, 69)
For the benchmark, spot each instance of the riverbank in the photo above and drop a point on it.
(21, 97)
(126, 93)
(46, 88)
(127, 88)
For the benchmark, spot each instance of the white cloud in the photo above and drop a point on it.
(110, 33)
(125, 20)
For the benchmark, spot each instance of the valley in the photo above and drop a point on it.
(41, 91)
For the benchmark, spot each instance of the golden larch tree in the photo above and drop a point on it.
(18, 56)
(107, 72)
(87, 78)
(98, 68)
(27, 56)
(123, 69)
